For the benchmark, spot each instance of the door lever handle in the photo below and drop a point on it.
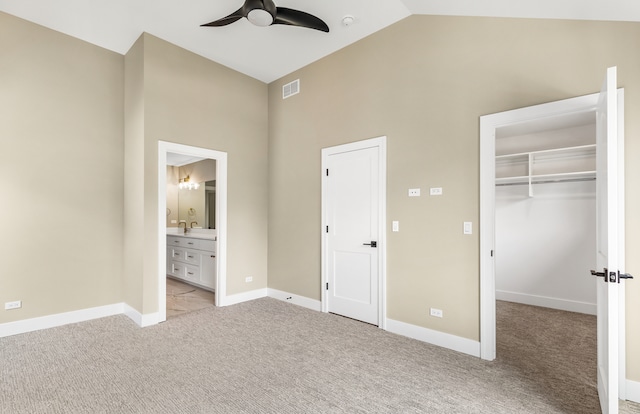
(624, 276)
(372, 244)
(613, 276)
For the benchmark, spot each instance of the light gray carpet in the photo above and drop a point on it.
(267, 356)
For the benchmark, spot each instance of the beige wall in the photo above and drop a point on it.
(424, 82)
(134, 173)
(61, 172)
(200, 171)
(191, 100)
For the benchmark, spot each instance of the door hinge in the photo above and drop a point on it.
(327, 172)
(491, 253)
(327, 287)
(327, 229)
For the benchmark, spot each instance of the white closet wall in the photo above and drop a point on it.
(545, 245)
(545, 233)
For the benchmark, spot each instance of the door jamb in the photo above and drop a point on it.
(221, 219)
(488, 126)
(381, 143)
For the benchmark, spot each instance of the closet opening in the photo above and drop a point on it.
(537, 171)
(545, 212)
(545, 244)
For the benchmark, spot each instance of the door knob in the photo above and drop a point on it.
(372, 244)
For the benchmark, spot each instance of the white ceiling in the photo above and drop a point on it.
(272, 52)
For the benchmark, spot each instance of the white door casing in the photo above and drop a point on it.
(488, 126)
(353, 199)
(221, 212)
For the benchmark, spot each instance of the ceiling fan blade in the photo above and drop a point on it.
(299, 18)
(233, 17)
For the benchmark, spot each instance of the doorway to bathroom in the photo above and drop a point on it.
(168, 153)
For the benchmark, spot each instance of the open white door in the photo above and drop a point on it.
(607, 243)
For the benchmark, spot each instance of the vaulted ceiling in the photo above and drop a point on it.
(268, 53)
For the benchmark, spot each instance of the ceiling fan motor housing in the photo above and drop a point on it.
(260, 12)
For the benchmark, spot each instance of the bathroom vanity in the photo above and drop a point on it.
(191, 257)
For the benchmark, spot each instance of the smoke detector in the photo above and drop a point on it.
(348, 20)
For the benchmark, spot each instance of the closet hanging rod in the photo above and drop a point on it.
(565, 180)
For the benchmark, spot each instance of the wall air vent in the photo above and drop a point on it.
(290, 89)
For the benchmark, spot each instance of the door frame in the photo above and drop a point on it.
(221, 219)
(381, 144)
(488, 126)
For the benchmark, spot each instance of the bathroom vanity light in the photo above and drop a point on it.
(185, 183)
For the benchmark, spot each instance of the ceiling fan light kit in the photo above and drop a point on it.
(260, 17)
(265, 13)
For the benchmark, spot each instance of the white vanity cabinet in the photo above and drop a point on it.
(192, 260)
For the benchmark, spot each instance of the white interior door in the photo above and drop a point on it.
(352, 204)
(607, 243)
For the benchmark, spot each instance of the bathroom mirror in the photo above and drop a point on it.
(195, 206)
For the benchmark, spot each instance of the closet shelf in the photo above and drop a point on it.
(547, 178)
(574, 163)
(579, 150)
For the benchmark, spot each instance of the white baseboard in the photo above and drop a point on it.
(243, 297)
(141, 320)
(547, 302)
(59, 319)
(633, 391)
(442, 339)
(445, 340)
(295, 299)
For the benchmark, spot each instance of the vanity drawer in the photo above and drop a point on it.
(178, 269)
(173, 241)
(191, 243)
(176, 254)
(192, 273)
(183, 242)
(191, 257)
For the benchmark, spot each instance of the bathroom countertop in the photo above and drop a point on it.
(195, 234)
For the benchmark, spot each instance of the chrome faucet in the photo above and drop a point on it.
(185, 226)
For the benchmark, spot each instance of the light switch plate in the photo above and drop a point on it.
(468, 227)
(435, 191)
(395, 226)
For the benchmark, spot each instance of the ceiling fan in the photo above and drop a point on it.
(265, 13)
